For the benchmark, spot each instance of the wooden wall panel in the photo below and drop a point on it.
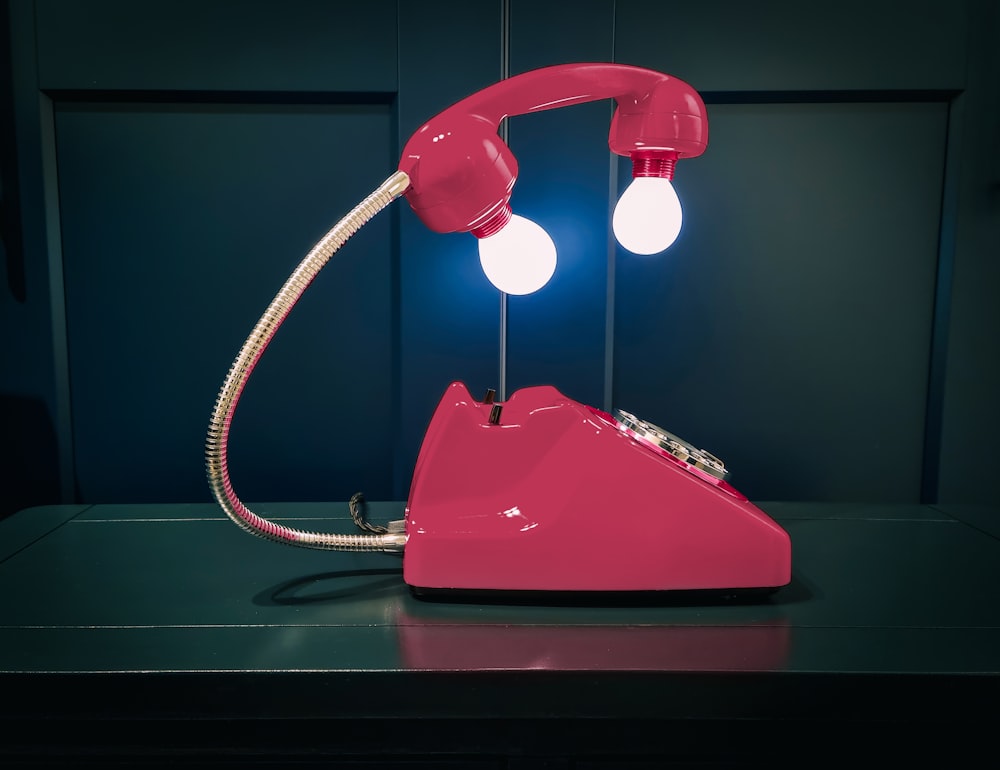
(788, 330)
(180, 222)
(558, 335)
(826, 322)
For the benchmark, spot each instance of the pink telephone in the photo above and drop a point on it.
(539, 493)
(544, 493)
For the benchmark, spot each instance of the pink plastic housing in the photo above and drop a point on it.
(462, 173)
(559, 497)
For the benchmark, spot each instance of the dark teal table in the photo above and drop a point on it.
(154, 633)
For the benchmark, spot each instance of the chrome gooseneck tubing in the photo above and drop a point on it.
(225, 405)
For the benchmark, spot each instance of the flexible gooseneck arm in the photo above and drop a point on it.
(216, 453)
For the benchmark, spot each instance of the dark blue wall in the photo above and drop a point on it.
(825, 323)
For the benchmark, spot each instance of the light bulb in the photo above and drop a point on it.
(519, 258)
(647, 218)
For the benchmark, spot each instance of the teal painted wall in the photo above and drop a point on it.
(825, 323)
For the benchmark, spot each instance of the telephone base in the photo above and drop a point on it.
(543, 493)
(675, 598)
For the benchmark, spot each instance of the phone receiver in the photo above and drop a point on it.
(542, 493)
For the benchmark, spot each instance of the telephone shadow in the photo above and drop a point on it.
(388, 583)
(343, 585)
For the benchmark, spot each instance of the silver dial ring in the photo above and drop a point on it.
(666, 441)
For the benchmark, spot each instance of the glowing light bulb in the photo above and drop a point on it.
(519, 258)
(647, 218)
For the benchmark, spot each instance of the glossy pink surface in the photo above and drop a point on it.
(557, 497)
(461, 171)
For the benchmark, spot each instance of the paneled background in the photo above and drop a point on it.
(826, 322)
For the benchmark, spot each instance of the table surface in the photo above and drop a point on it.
(163, 611)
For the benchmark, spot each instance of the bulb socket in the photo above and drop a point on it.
(655, 163)
(494, 223)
